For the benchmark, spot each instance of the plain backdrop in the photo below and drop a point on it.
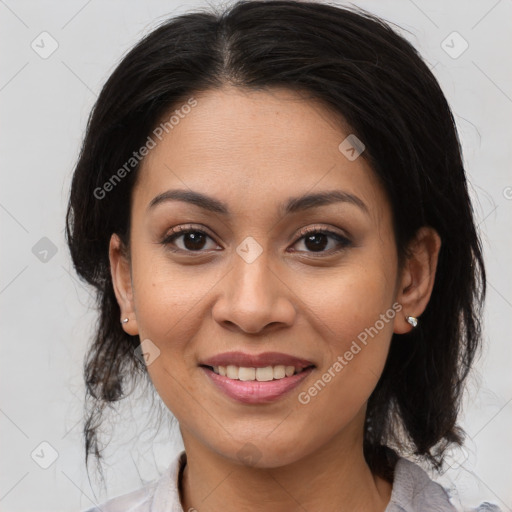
(46, 313)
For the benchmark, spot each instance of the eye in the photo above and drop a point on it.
(188, 239)
(316, 240)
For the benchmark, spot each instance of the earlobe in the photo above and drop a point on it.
(417, 279)
(121, 281)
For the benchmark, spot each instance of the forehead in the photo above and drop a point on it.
(245, 147)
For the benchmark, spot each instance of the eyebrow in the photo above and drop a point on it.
(291, 205)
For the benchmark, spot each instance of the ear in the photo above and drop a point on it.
(122, 282)
(417, 278)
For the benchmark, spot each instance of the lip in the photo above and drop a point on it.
(255, 392)
(256, 360)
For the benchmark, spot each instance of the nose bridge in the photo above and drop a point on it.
(251, 273)
(253, 286)
(255, 296)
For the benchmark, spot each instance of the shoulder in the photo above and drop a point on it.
(414, 491)
(135, 501)
(159, 495)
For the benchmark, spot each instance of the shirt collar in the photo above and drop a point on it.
(413, 490)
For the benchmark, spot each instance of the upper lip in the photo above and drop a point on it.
(242, 359)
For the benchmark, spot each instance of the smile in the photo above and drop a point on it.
(253, 391)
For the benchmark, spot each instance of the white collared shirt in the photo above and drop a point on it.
(413, 491)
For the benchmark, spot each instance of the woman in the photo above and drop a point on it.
(272, 206)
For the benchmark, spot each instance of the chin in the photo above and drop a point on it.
(263, 452)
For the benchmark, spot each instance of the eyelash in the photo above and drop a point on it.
(343, 241)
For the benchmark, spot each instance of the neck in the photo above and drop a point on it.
(333, 478)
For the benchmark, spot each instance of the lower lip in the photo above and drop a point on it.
(256, 392)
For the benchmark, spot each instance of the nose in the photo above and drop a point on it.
(254, 298)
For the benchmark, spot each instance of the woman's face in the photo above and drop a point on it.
(248, 279)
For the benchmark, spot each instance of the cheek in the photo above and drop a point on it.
(169, 304)
(349, 300)
(168, 296)
(353, 313)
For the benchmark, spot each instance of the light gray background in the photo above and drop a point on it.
(45, 317)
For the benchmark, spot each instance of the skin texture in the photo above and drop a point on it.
(253, 150)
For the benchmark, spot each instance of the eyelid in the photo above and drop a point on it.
(175, 232)
(322, 229)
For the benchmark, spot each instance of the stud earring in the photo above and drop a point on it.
(124, 320)
(412, 320)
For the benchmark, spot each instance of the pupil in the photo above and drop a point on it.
(316, 244)
(196, 241)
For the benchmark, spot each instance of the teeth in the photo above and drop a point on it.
(279, 372)
(264, 374)
(260, 374)
(232, 372)
(289, 370)
(246, 373)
